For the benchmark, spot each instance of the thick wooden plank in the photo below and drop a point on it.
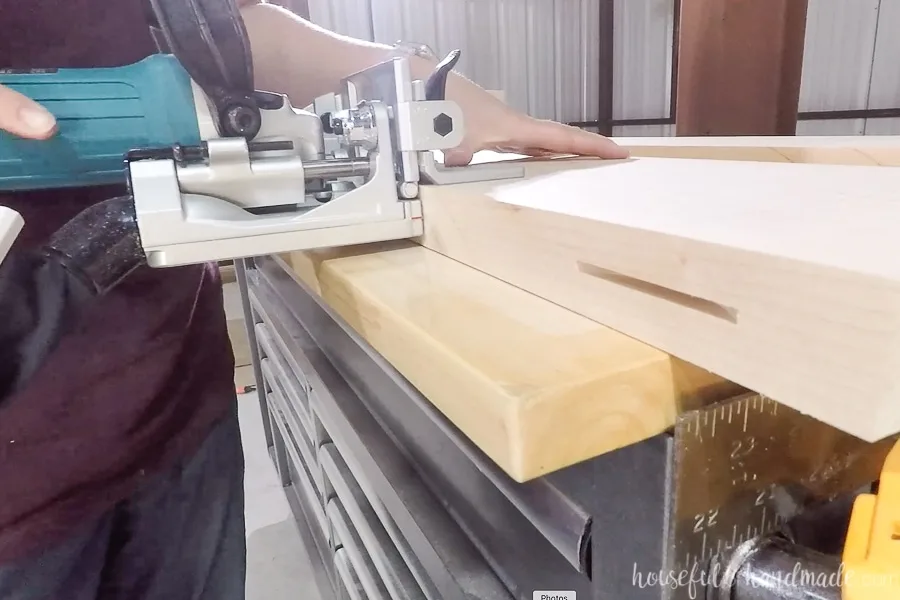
(535, 386)
(836, 150)
(781, 277)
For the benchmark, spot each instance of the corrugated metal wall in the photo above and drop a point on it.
(545, 54)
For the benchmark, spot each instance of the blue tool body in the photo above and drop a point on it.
(102, 115)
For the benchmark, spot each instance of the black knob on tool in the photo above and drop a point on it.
(240, 120)
(209, 39)
(436, 86)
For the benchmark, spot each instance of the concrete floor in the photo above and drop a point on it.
(278, 567)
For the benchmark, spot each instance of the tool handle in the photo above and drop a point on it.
(102, 114)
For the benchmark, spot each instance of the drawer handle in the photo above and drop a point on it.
(383, 551)
(351, 582)
(308, 458)
(361, 562)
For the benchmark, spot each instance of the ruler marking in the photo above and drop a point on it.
(714, 425)
(730, 412)
(703, 548)
(746, 414)
(763, 520)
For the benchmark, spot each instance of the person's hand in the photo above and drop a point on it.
(492, 125)
(23, 117)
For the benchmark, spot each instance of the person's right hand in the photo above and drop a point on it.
(23, 117)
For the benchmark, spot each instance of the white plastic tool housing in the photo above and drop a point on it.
(239, 203)
(242, 200)
(11, 224)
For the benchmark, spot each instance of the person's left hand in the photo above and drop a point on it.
(492, 125)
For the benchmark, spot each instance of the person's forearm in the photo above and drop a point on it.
(295, 57)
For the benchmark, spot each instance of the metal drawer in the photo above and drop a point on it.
(350, 582)
(294, 381)
(356, 554)
(314, 541)
(385, 556)
(300, 476)
(279, 343)
(296, 432)
(534, 535)
(449, 565)
(296, 394)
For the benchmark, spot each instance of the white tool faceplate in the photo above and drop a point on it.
(10, 225)
(306, 180)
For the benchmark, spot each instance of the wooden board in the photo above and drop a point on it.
(739, 66)
(534, 386)
(835, 150)
(784, 278)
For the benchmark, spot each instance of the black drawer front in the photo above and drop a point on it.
(442, 560)
(300, 478)
(386, 558)
(535, 535)
(295, 391)
(350, 583)
(359, 559)
(296, 433)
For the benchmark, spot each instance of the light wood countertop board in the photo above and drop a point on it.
(782, 277)
(883, 150)
(535, 386)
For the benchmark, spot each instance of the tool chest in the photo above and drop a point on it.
(396, 504)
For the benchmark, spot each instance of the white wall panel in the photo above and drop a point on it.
(540, 33)
(837, 61)
(885, 89)
(512, 43)
(883, 126)
(831, 127)
(576, 69)
(390, 17)
(643, 34)
(396, 20)
(544, 54)
(348, 17)
(643, 130)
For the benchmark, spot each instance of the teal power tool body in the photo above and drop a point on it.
(102, 114)
(216, 169)
(203, 70)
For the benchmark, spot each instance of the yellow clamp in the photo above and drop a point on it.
(871, 561)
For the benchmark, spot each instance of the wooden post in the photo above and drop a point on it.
(739, 66)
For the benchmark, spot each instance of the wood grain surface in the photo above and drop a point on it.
(535, 386)
(781, 277)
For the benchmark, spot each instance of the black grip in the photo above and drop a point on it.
(436, 86)
(101, 245)
(210, 40)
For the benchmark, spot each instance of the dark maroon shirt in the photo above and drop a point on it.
(150, 369)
